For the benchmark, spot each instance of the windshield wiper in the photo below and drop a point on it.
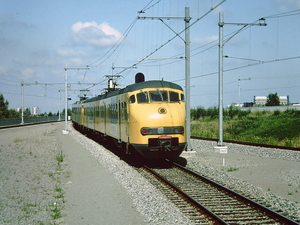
(161, 96)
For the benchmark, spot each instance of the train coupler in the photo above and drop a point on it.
(165, 142)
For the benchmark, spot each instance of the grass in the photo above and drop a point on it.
(59, 157)
(17, 140)
(29, 208)
(275, 128)
(59, 192)
(231, 169)
(56, 212)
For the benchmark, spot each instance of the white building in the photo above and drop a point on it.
(284, 100)
(19, 109)
(262, 100)
(35, 111)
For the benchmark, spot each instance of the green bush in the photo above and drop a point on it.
(276, 128)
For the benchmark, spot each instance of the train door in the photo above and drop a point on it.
(94, 116)
(82, 115)
(105, 117)
(126, 121)
(120, 108)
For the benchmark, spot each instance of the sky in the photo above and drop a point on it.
(41, 42)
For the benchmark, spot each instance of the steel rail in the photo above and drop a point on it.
(27, 124)
(275, 215)
(248, 143)
(187, 197)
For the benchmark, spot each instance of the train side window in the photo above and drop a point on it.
(182, 97)
(142, 97)
(174, 96)
(132, 99)
(102, 111)
(96, 111)
(124, 111)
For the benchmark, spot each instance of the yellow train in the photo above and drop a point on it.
(147, 116)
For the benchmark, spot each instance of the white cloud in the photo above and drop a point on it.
(94, 34)
(287, 5)
(206, 40)
(27, 73)
(76, 61)
(71, 53)
(3, 70)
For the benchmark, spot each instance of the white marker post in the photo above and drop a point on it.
(222, 150)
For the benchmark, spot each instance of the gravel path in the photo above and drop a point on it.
(35, 182)
(30, 176)
(37, 175)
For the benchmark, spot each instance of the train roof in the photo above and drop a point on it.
(135, 87)
(151, 84)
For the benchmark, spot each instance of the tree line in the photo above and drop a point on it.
(213, 112)
(6, 113)
(231, 111)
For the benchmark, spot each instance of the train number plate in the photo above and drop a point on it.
(160, 130)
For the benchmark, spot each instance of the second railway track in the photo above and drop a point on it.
(206, 202)
(249, 143)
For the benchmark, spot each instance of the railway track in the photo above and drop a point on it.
(28, 124)
(206, 202)
(249, 143)
(193, 137)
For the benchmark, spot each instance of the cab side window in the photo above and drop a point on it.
(142, 97)
(132, 99)
(174, 96)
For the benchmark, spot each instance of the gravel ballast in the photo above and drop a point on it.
(266, 175)
(30, 176)
(34, 180)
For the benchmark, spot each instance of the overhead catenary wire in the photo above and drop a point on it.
(114, 47)
(240, 67)
(148, 7)
(284, 14)
(214, 43)
(121, 39)
(291, 13)
(110, 52)
(177, 35)
(13, 81)
(13, 85)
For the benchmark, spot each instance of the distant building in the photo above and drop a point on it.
(284, 100)
(248, 104)
(19, 109)
(35, 111)
(262, 100)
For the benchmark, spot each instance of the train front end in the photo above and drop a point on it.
(157, 120)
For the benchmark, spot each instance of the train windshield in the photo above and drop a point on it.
(142, 97)
(158, 96)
